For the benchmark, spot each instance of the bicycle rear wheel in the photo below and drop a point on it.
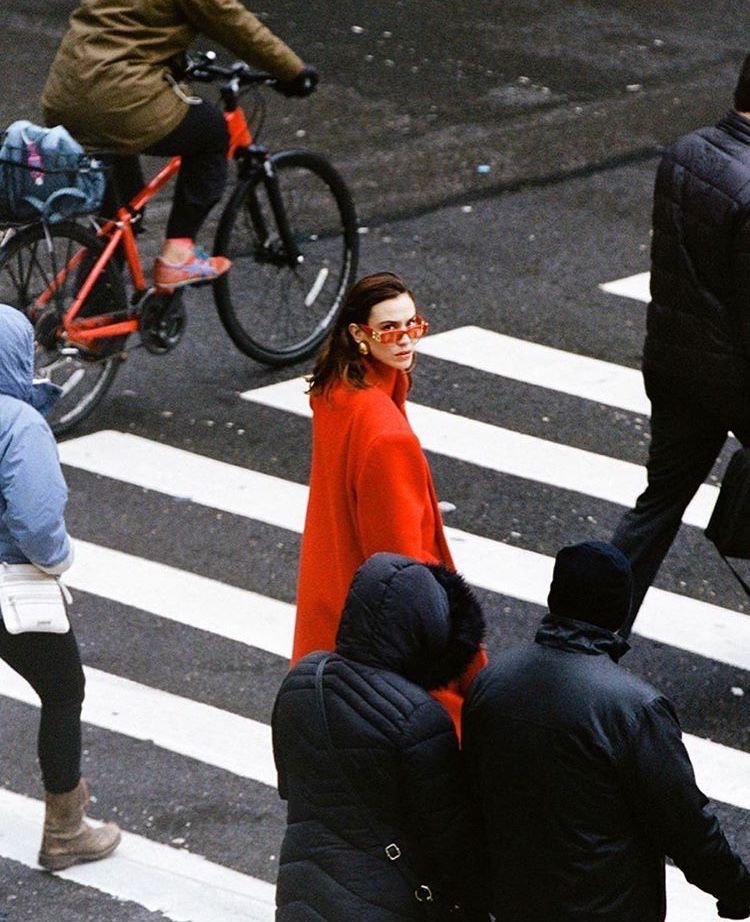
(275, 312)
(29, 262)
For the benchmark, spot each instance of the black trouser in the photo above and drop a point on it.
(51, 664)
(201, 139)
(688, 430)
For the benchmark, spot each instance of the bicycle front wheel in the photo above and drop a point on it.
(275, 310)
(34, 279)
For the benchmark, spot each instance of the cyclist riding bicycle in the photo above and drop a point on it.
(112, 84)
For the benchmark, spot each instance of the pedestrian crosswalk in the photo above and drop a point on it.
(198, 730)
(634, 286)
(160, 878)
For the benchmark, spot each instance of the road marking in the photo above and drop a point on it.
(162, 879)
(721, 769)
(189, 728)
(510, 452)
(579, 375)
(184, 886)
(243, 746)
(636, 287)
(217, 484)
(178, 595)
(686, 903)
(679, 621)
(683, 622)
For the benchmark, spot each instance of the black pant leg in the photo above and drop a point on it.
(202, 140)
(685, 443)
(51, 664)
(124, 181)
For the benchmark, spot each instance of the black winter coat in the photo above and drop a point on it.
(586, 785)
(398, 748)
(699, 315)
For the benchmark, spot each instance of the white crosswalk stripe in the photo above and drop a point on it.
(184, 886)
(543, 366)
(167, 880)
(510, 452)
(243, 746)
(690, 624)
(634, 286)
(192, 600)
(190, 728)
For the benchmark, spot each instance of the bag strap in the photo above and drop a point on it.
(40, 574)
(422, 892)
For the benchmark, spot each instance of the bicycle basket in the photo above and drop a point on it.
(44, 174)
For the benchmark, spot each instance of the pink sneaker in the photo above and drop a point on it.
(199, 268)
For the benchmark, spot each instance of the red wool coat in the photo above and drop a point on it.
(370, 490)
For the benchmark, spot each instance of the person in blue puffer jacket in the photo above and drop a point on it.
(32, 530)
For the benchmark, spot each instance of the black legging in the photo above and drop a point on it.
(201, 139)
(51, 664)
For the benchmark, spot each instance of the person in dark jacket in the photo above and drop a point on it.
(583, 779)
(392, 774)
(696, 361)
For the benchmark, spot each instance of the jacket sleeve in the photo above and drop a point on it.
(233, 26)
(670, 807)
(741, 279)
(35, 495)
(441, 811)
(392, 491)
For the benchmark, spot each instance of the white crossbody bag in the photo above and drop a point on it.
(31, 600)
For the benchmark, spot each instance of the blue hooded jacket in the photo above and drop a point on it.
(32, 488)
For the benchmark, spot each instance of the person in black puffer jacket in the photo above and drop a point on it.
(584, 782)
(696, 361)
(407, 627)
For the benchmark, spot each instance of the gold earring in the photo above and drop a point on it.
(364, 349)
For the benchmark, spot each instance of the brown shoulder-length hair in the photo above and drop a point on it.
(339, 359)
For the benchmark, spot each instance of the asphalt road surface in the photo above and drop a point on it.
(187, 485)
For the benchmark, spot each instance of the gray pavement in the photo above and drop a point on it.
(417, 96)
(564, 207)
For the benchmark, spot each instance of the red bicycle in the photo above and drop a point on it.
(289, 227)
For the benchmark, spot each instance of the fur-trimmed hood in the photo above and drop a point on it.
(421, 621)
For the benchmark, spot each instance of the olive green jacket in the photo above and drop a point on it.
(107, 84)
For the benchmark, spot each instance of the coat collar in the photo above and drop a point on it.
(736, 125)
(392, 381)
(580, 637)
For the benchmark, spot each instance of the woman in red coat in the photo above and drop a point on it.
(370, 485)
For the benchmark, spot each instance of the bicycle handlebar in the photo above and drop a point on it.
(201, 68)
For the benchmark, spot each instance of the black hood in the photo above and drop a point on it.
(421, 621)
(593, 582)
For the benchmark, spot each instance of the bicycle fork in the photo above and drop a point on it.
(259, 156)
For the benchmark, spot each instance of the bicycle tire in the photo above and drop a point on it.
(28, 262)
(275, 313)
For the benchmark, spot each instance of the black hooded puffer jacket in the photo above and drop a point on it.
(406, 627)
(586, 785)
(698, 318)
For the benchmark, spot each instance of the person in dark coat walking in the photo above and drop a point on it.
(584, 782)
(696, 360)
(390, 773)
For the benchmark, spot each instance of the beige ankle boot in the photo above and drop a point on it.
(68, 839)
